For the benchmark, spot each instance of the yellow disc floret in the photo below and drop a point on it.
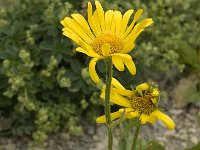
(114, 43)
(143, 104)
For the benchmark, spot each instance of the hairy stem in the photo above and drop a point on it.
(109, 70)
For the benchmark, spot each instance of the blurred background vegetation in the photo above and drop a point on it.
(44, 84)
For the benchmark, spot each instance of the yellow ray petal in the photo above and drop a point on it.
(113, 26)
(118, 21)
(127, 93)
(83, 23)
(126, 109)
(119, 100)
(152, 118)
(128, 46)
(125, 20)
(92, 71)
(143, 118)
(108, 20)
(100, 12)
(73, 37)
(70, 34)
(155, 92)
(118, 63)
(132, 36)
(165, 119)
(90, 54)
(97, 22)
(117, 84)
(132, 115)
(63, 23)
(105, 49)
(130, 112)
(90, 19)
(143, 87)
(123, 56)
(75, 27)
(144, 23)
(136, 17)
(102, 119)
(130, 65)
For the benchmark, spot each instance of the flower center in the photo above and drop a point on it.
(143, 104)
(115, 44)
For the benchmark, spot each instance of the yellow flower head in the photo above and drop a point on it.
(142, 104)
(105, 34)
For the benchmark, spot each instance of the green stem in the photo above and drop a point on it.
(135, 137)
(108, 62)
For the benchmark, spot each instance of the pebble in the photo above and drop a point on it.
(194, 140)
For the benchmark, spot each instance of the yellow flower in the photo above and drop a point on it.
(105, 34)
(136, 104)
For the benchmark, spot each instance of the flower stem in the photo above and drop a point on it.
(108, 62)
(135, 137)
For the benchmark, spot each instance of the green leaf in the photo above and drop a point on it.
(154, 146)
(76, 66)
(188, 54)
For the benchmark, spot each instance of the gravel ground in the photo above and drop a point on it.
(187, 134)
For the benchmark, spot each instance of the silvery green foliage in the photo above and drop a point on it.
(44, 85)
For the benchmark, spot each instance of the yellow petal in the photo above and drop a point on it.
(165, 119)
(121, 101)
(90, 54)
(154, 100)
(155, 93)
(108, 20)
(105, 49)
(136, 17)
(113, 25)
(126, 109)
(97, 22)
(83, 23)
(117, 84)
(90, 19)
(132, 115)
(132, 36)
(130, 65)
(125, 20)
(102, 119)
(144, 23)
(152, 118)
(123, 56)
(143, 118)
(127, 93)
(92, 71)
(128, 46)
(142, 87)
(118, 21)
(102, 96)
(118, 63)
(130, 112)
(100, 12)
(75, 27)
(72, 36)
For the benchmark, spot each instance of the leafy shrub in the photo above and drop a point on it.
(45, 85)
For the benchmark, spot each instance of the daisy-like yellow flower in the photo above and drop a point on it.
(141, 102)
(105, 34)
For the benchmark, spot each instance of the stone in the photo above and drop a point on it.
(194, 140)
(179, 94)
